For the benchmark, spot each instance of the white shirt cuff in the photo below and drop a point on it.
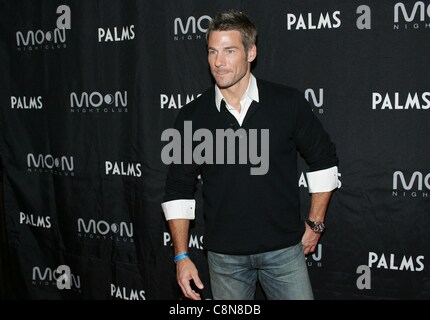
(322, 180)
(179, 209)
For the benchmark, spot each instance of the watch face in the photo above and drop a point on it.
(316, 226)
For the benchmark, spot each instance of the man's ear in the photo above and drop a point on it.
(252, 53)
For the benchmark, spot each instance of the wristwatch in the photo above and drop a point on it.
(316, 226)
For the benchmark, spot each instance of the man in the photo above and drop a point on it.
(253, 229)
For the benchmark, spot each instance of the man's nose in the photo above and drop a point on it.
(219, 60)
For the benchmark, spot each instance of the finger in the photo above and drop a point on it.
(193, 295)
(189, 292)
(183, 289)
(306, 249)
(198, 282)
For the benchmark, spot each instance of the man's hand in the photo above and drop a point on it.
(310, 240)
(186, 271)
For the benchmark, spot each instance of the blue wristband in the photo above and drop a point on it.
(181, 256)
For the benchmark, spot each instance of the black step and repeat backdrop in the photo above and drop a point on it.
(87, 88)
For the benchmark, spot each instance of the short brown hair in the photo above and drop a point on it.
(234, 20)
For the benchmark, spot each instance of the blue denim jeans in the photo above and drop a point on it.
(283, 274)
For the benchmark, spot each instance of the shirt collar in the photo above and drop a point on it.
(251, 92)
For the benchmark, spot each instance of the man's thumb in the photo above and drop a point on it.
(198, 282)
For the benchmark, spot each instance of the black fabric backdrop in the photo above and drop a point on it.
(83, 109)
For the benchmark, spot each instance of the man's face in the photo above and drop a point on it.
(227, 58)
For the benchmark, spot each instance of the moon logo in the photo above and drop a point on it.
(48, 36)
(108, 99)
(114, 227)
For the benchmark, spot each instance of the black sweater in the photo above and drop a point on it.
(244, 213)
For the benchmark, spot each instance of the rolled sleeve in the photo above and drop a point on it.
(312, 140)
(323, 180)
(179, 209)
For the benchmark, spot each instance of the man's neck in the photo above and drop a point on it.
(234, 93)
